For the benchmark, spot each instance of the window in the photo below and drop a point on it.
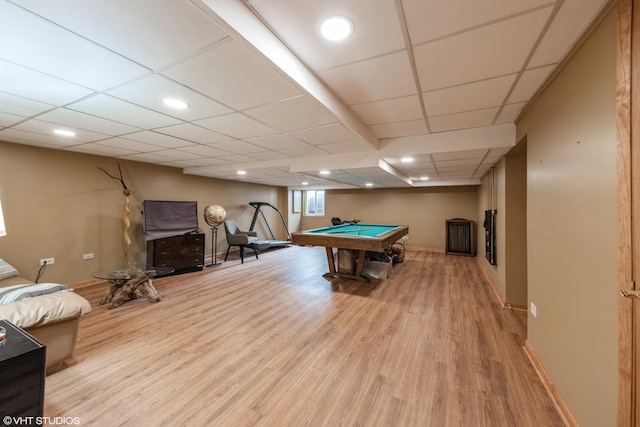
(314, 202)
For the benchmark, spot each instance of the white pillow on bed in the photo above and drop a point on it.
(18, 292)
(7, 270)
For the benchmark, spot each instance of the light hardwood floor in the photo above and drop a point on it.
(272, 343)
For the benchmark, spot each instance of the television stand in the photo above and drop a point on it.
(184, 253)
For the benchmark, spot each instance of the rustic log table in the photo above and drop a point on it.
(129, 283)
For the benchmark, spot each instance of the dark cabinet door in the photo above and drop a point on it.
(183, 253)
(22, 373)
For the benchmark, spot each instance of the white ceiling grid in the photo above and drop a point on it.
(438, 81)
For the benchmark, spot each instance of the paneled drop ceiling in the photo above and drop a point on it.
(437, 81)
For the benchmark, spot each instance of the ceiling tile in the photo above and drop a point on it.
(271, 155)
(388, 76)
(324, 134)
(121, 111)
(128, 144)
(466, 120)
(304, 151)
(479, 54)
(9, 119)
(569, 24)
(100, 150)
(22, 106)
(398, 129)
(177, 28)
(193, 133)
(207, 161)
(147, 157)
(236, 125)
(376, 29)
(233, 76)
(37, 86)
(467, 97)
(510, 112)
(278, 141)
(422, 161)
(33, 138)
(177, 154)
(150, 91)
(529, 83)
(238, 158)
(40, 45)
(205, 151)
(78, 120)
(428, 20)
(463, 174)
(458, 164)
(238, 147)
(346, 147)
(292, 114)
(389, 110)
(47, 128)
(158, 139)
(459, 155)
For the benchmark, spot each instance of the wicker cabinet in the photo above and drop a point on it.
(184, 253)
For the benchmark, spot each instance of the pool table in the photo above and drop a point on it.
(352, 242)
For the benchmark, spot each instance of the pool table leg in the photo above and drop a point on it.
(360, 264)
(332, 274)
(332, 264)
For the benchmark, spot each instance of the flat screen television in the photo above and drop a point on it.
(164, 218)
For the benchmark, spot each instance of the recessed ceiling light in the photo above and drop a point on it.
(241, 172)
(175, 103)
(324, 172)
(369, 184)
(336, 28)
(406, 159)
(424, 178)
(64, 132)
(305, 183)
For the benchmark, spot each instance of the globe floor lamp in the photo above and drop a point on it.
(214, 247)
(214, 216)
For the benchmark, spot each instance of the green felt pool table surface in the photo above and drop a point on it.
(367, 230)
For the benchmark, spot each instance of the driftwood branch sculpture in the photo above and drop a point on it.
(125, 190)
(125, 212)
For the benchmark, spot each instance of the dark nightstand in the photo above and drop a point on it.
(22, 373)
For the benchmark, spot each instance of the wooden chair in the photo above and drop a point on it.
(239, 238)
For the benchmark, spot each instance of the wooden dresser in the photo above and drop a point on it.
(22, 364)
(184, 253)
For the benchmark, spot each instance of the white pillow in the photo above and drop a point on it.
(7, 270)
(10, 294)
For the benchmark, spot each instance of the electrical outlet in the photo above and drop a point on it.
(534, 310)
(88, 256)
(47, 261)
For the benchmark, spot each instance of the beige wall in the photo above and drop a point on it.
(509, 275)
(293, 218)
(424, 210)
(571, 222)
(497, 273)
(58, 204)
(515, 232)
